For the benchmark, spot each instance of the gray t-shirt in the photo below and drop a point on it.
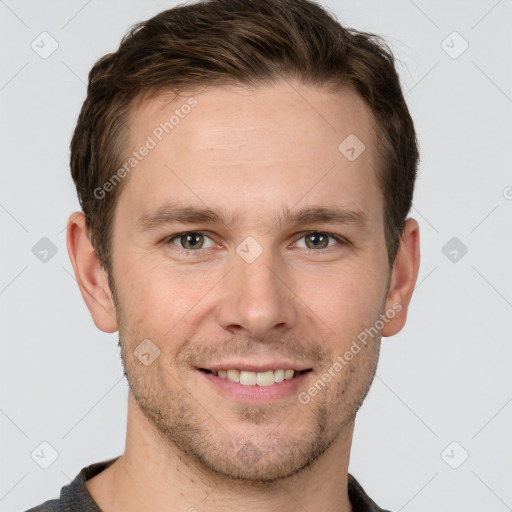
(75, 496)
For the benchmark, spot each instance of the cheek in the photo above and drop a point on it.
(158, 300)
(346, 300)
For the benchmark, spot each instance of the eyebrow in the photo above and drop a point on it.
(172, 213)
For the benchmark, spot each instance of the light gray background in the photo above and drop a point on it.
(446, 377)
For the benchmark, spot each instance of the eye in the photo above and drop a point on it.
(191, 240)
(320, 240)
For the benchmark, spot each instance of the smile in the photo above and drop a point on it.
(248, 378)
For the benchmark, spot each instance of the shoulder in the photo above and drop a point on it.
(360, 501)
(75, 497)
(47, 506)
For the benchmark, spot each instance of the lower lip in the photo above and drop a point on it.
(256, 394)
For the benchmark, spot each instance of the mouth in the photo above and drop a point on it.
(250, 378)
(262, 387)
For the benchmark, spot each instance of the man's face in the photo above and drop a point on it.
(258, 288)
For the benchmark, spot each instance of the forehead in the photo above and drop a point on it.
(291, 111)
(235, 145)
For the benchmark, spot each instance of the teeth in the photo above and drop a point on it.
(279, 375)
(288, 374)
(256, 378)
(233, 375)
(248, 378)
(264, 378)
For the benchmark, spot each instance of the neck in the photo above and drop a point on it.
(151, 476)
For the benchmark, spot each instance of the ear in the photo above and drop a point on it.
(403, 278)
(91, 277)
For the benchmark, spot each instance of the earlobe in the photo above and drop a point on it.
(91, 277)
(403, 279)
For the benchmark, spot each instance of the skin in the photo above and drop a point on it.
(253, 152)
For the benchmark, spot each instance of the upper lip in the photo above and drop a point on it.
(252, 367)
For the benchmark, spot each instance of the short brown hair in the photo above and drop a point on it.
(236, 42)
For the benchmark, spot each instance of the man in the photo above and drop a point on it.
(245, 171)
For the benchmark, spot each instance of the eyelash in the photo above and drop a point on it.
(168, 241)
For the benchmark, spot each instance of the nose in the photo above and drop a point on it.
(257, 297)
